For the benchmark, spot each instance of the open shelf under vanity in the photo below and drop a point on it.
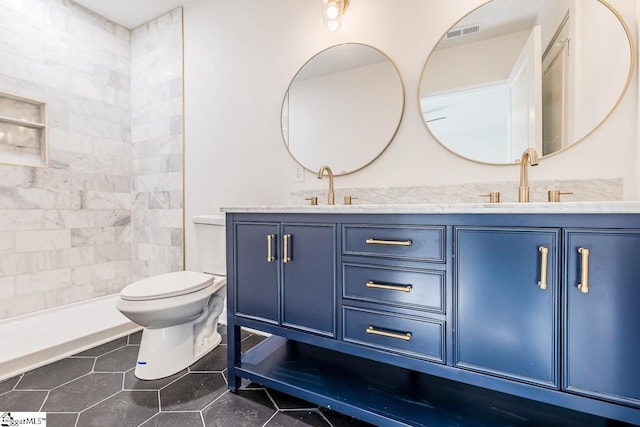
(394, 396)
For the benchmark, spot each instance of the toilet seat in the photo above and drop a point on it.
(166, 285)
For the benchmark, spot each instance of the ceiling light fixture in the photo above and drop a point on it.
(333, 11)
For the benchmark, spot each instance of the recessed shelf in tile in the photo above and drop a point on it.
(23, 136)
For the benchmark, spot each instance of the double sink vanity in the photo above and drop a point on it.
(468, 314)
(450, 314)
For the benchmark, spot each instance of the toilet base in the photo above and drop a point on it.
(166, 351)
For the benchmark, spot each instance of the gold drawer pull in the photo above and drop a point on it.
(543, 267)
(584, 270)
(270, 257)
(388, 242)
(285, 255)
(405, 337)
(401, 288)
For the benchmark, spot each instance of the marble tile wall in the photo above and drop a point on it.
(587, 190)
(156, 133)
(65, 230)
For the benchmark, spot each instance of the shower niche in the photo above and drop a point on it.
(23, 131)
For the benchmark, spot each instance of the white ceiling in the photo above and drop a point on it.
(496, 19)
(130, 13)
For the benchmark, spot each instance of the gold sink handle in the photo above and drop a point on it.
(494, 196)
(554, 195)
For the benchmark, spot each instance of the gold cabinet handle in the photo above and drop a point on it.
(584, 270)
(401, 288)
(270, 257)
(543, 267)
(405, 337)
(285, 255)
(388, 242)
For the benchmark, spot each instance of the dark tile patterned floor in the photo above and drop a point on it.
(97, 388)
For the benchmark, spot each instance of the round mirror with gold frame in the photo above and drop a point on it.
(514, 74)
(342, 108)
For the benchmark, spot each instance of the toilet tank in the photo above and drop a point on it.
(211, 243)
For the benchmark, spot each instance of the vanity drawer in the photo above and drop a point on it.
(421, 289)
(423, 338)
(400, 242)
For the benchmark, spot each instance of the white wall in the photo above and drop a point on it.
(241, 55)
(597, 57)
(633, 162)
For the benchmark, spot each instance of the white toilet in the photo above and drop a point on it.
(179, 311)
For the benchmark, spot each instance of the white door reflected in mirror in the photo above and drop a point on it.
(514, 74)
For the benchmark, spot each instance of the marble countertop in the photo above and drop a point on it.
(450, 208)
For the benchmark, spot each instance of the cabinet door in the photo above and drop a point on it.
(257, 275)
(309, 278)
(602, 326)
(505, 323)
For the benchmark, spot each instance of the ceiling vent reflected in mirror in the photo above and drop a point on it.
(463, 31)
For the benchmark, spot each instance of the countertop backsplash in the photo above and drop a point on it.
(589, 190)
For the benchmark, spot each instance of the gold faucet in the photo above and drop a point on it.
(530, 156)
(332, 196)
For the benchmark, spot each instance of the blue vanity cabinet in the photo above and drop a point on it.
(286, 274)
(309, 278)
(506, 303)
(602, 314)
(407, 320)
(257, 271)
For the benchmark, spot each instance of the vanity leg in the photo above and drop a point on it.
(233, 356)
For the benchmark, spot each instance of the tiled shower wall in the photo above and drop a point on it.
(66, 231)
(156, 114)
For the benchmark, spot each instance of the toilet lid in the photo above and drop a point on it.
(166, 285)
